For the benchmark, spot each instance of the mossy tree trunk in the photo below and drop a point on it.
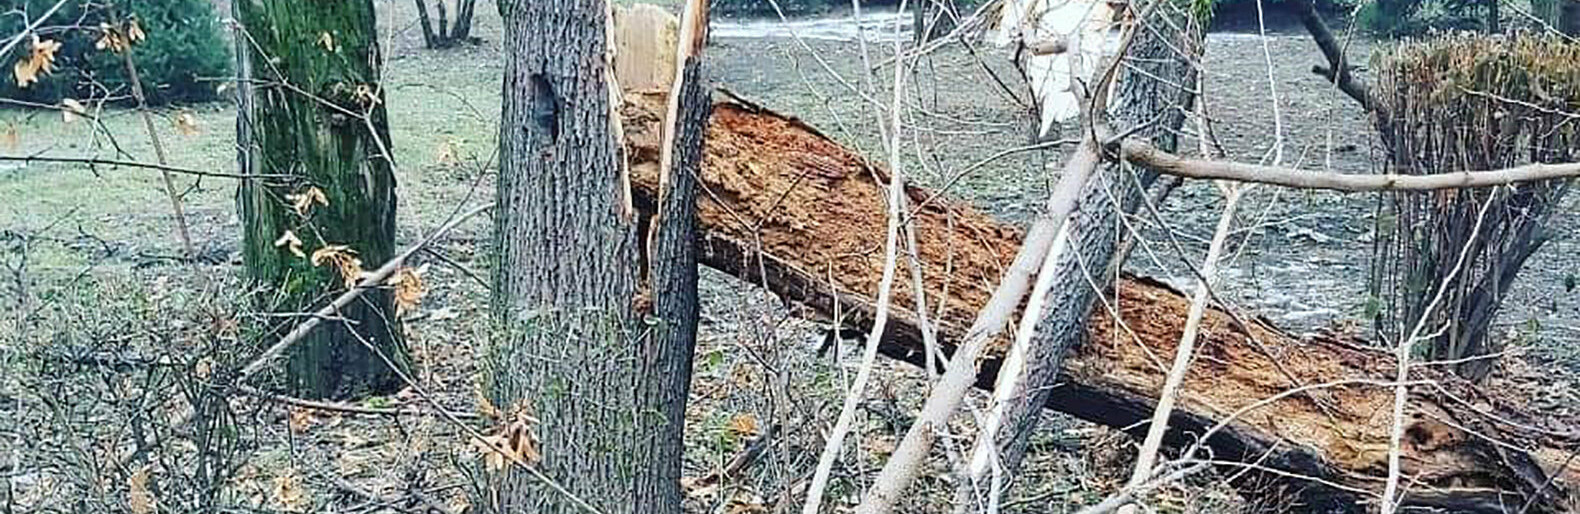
(591, 341)
(311, 109)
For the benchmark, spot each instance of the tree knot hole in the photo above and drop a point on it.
(545, 108)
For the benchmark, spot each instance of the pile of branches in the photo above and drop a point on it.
(1464, 102)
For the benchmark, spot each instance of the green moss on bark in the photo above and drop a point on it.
(313, 110)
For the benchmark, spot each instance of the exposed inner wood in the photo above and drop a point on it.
(784, 206)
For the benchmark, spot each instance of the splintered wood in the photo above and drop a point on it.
(786, 207)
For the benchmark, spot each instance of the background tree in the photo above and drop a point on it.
(183, 43)
(311, 109)
(444, 34)
(592, 355)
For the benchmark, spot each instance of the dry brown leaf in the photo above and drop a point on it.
(300, 420)
(303, 202)
(744, 502)
(204, 368)
(41, 60)
(343, 259)
(288, 492)
(513, 443)
(289, 240)
(408, 287)
(138, 497)
(186, 123)
(744, 424)
(119, 38)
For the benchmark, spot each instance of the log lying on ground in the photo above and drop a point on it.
(788, 208)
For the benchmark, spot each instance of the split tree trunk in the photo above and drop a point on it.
(328, 50)
(1169, 45)
(814, 210)
(591, 340)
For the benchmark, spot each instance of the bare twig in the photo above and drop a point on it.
(1338, 69)
(159, 148)
(1187, 344)
(1401, 391)
(6, 50)
(1142, 153)
(847, 413)
(131, 164)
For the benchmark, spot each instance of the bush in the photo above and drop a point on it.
(1400, 18)
(183, 45)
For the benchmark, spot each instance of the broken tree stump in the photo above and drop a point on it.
(786, 207)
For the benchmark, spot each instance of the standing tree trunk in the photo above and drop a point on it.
(597, 315)
(307, 235)
(429, 38)
(1142, 98)
(445, 34)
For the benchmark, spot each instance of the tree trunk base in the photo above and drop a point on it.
(785, 206)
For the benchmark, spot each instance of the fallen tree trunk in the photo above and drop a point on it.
(788, 208)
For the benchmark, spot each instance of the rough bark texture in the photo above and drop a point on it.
(288, 131)
(672, 261)
(815, 209)
(1169, 48)
(589, 341)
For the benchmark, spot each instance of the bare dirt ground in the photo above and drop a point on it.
(93, 244)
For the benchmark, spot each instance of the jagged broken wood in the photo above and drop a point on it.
(788, 208)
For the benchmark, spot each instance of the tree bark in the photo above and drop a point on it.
(1142, 98)
(461, 32)
(593, 337)
(814, 207)
(429, 38)
(315, 131)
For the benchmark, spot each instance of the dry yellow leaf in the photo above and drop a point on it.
(41, 60)
(70, 109)
(119, 38)
(11, 138)
(327, 41)
(134, 31)
(138, 497)
(449, 152)
(303, 201)
(366, 95)
(486, 407)
(289, 240)
(744, 424)
(186, 123)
